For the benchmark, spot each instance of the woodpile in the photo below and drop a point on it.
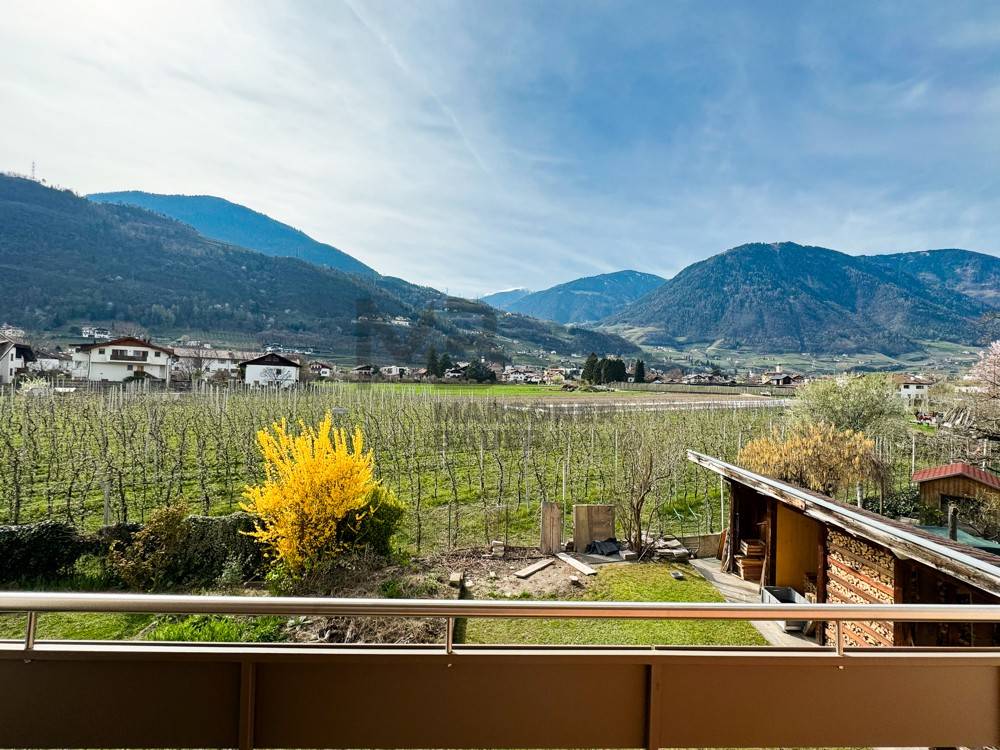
(671, 550)
(858, 572)
(750, 560)
(809, 585)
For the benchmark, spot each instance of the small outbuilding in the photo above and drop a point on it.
(783, 536)
(940, 485)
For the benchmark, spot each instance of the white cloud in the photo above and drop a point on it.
(476, 147)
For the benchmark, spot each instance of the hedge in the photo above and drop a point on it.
(38, 550)
(175, 550)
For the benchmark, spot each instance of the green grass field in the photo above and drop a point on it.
(650, 582)
(87, 626)
(491, 390)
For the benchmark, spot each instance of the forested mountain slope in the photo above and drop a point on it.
(64, 259)
(788, 297)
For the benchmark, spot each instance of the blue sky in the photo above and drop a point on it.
(477, 146)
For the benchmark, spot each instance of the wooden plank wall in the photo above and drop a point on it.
(931, 492)
(798, 537)
(552, 523)
(592, 522)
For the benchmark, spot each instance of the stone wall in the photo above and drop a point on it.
(859, 572)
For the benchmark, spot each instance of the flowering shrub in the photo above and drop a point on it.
(317, 493)
(819, 457)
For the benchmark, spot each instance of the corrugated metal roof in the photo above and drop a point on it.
(958, 469)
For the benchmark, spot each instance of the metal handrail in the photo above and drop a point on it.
(35, 602)
(32, 601)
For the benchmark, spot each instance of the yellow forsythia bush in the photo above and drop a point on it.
(818, 457)
(314, 480)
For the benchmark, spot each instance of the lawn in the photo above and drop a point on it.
(87, 626)
(77, 626)
(650, 582)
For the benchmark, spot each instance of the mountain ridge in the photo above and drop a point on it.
(64, 258)
(790, 297)
(586, 299)
(221, 219)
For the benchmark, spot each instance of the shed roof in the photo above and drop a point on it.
(969, 564)
(958, 469)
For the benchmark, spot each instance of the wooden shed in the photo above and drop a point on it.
(940, 485)
(832, 552)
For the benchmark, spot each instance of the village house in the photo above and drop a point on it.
(206, 361)
(394, 372)
(776, 378)
(364, 372)
(521, 374)
(914, 390)
(706, 378)
(95, 332)
(270, 370)
(121, 359)
(52, 362)
(322, 369)
(14, 358)
(942, 485)
(9, 331)
(802, 546)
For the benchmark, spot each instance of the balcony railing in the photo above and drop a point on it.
(145, 694)
(122, 355)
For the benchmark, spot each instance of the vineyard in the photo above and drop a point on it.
(469, 469)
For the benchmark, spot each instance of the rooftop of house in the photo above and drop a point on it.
(906, 379)
(271, 358)
(125, 341)
(206, 353)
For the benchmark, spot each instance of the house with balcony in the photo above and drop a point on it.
(914, 390)
(121, 359)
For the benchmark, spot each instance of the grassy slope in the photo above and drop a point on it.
(646, 582)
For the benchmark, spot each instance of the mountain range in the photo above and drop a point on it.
(584, 300)
(785, 297)
(219, 219)
(502, 299)
(66, 260)
(201, 263)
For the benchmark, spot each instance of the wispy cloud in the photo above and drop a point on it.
(477, 146)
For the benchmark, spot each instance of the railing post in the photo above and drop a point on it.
(29, 631)
(449, 638)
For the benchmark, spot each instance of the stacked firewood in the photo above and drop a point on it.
(860, 573)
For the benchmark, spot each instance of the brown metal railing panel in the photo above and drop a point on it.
(162, 696)
(139, 695)
(436, 703)
(130, 703)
